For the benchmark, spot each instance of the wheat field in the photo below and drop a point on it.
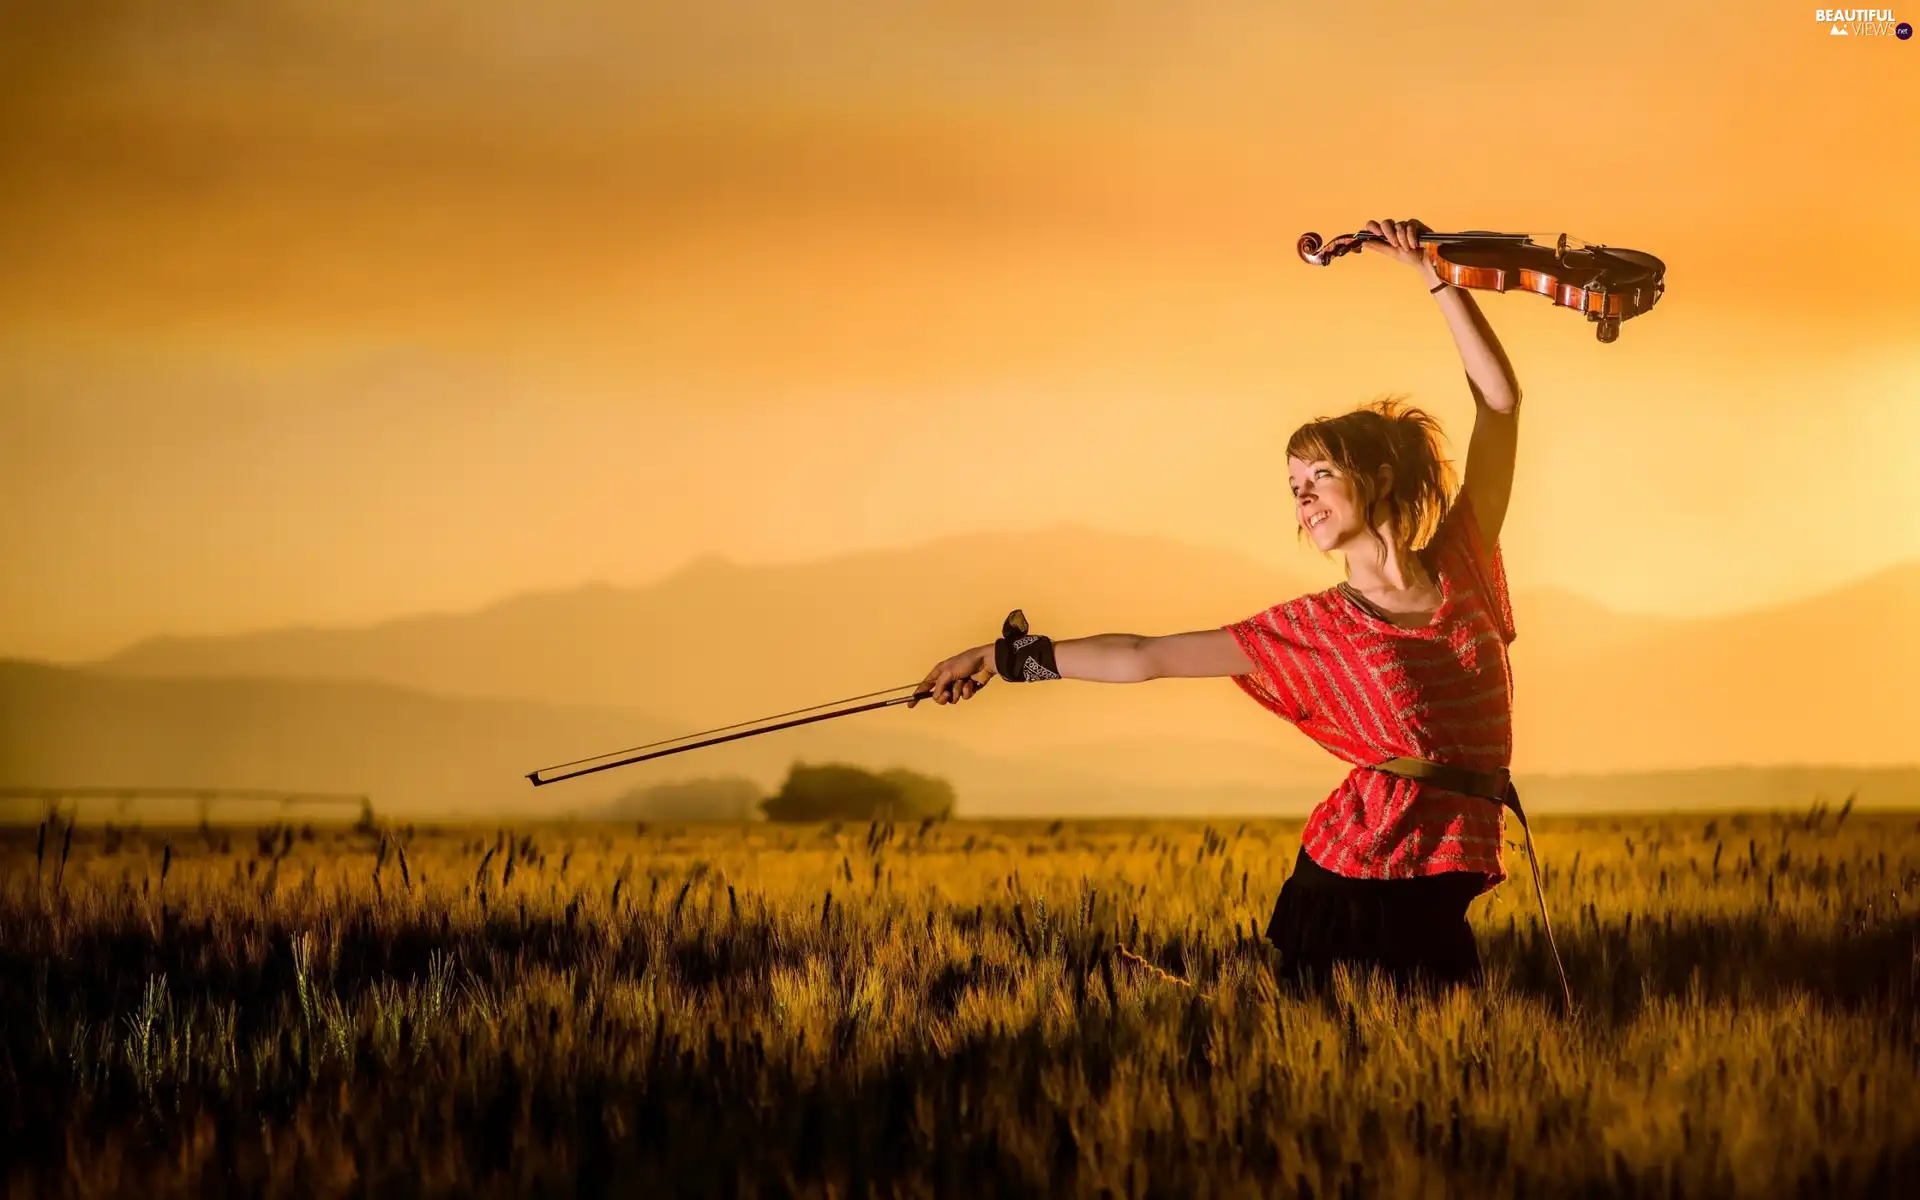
(939, 1009)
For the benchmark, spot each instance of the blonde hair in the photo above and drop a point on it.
(1380, 433)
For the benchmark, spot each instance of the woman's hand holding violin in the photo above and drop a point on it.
(1402, 245)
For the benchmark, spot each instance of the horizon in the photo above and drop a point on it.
(484, 605)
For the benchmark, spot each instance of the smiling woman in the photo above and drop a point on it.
(1381, 462)
(1401, 670)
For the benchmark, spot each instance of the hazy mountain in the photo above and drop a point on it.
(1559, 628)
(1752, 788)
(716, 643)
(419, 753)
(60, 726)
(1823, 680)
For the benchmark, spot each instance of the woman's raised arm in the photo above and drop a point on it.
(1496, 391)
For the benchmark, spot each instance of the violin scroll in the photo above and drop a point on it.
(1318, 253)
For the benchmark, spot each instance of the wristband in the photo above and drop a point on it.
(1022, 657)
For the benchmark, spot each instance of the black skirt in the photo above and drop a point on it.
(1413, 930)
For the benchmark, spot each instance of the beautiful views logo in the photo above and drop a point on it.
(1862, 22)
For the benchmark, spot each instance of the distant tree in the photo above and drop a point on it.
(921, 796)
(839, 792)
(730, 798)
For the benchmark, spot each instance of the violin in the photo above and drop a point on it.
(1607, 283)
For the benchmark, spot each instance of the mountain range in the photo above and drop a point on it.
(440, 708)
(415, 752)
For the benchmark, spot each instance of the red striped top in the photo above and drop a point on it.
(1368, 691)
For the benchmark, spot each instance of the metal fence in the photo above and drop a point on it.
(65, 802)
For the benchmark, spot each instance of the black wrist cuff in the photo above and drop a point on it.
(1022, 657)
(1027, 659)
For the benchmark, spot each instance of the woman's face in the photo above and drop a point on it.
(1326, 503)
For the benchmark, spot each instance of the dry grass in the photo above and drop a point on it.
(938, 1010)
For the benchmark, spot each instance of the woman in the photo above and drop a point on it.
(1406, 659)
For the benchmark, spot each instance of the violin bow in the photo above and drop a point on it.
(542, 776)
(1014, 626)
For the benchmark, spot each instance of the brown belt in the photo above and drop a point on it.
(1488, 785)
(1496, 786)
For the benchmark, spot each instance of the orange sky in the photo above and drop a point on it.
(320, 313)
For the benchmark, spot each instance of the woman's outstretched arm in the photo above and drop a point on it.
(1102, 658)
(1133, 658)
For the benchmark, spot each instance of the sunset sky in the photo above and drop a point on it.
(321, 313)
